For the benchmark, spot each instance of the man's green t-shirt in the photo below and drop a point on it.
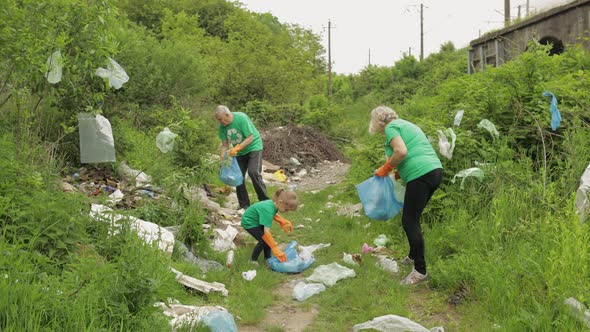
(421, 157)
(260, 213)
(237, 131)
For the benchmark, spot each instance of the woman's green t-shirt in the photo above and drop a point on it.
(421, 157)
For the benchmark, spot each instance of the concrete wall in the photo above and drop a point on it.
(568, 24)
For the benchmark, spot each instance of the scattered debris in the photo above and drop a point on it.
(303, 291)
(148, 231)
(393, 323)
(200, 285)
(578, 310)
(387, 264)
(186, 316)
(330, 274)
(249, 275)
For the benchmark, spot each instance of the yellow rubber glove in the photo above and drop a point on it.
(383, 170)
(267, 237)
(234, 151)
(285, 224)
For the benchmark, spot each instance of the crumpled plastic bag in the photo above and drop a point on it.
(330, 274)
(582, 196)
(165, 140)
(473, 171)
(378, 198)
(389, 323)
(229, 172)
(458, 117)
(220, 321)
(446, 148)
(294, 263)
(303, 291)
(489, 126)
(54, 67)
(555, 115)
(114, 74)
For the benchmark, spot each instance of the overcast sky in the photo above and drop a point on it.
(388, 28)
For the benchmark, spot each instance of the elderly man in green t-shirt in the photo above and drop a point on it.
(237, 130)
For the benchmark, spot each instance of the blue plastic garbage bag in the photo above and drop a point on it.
(220, 321)
(555, 115)
(378, 198)
(294, 263)
(230, 173)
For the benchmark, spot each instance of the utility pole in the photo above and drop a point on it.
(369, 57)
(422, 31)
(519, 12)
(506, 13)
(410, 51)
(527, 8)
(329, 61)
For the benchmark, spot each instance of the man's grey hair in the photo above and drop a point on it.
(381, 116)
(221, 109)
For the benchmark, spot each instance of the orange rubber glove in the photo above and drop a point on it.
(234, 151)
(267, 237)
(286, 225)
(383, 170)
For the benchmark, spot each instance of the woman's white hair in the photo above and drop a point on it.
(380, 117)
(221, 109)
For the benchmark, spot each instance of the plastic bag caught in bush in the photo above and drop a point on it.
(474, 171)
(555, 115)
(378, 198)
(230, 173)
(294, 263)
(446, 148)
(458, 117)
(115, 74)
(165, 140)
(489, 126)
(54, 67)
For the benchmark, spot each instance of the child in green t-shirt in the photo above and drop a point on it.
(257, 220)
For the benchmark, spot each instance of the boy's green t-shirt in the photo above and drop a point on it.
(237, 131)
(421, 157)
(260, 213)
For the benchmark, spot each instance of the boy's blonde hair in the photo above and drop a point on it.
(288, 197)
(381, 116)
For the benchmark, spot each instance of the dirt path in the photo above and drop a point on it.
(323, 175)
(285, 314)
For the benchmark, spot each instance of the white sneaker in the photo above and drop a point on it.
(407, 261)
(414, 278)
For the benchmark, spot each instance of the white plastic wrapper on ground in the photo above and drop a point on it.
(303, 291)
(390, 323)
(330, 274)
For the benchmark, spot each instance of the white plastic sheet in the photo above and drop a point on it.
(54, 67)
(489, 126)
(303, 291)
(114, 73)
(582, 199)
(446, 148)
(96, 139)
(389, 323)
(387, 264)
(306, 252)
(330, 274)
(148, 231)
(249, 275)
(474, 171)
(131, 174)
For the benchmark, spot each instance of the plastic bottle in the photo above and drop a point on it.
(230, 258)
